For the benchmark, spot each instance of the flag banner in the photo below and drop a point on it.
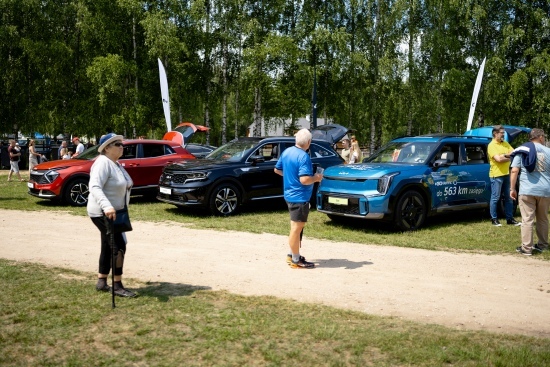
(165, 96)
(474, 96)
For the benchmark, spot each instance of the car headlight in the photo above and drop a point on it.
(195, 176)
(384, 183)
(50, 176)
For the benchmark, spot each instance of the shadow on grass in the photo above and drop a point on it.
(342, 263)
(162, 291)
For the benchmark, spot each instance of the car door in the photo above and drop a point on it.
(145, 161)
(445, 180)
(259, 178)
(475, 186)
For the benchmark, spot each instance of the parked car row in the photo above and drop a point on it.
(405, 182)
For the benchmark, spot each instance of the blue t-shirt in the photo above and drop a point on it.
(295, 162)
(536, 183)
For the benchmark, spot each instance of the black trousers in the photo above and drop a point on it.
(105, 255)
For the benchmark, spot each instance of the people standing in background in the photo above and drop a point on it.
(63, 145)
(79, 147)
(33, 156)
(15, 155)
(346, 150)
(499, 173)
(532, 162)
(64, 154)
(355, 155)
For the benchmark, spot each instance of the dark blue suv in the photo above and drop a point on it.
(412, 178)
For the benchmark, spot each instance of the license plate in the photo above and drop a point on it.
(165, 190)
(30, 185)
(337, 201)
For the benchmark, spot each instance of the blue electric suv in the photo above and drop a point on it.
(412, 178)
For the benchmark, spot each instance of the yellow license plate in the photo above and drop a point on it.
(337, 201)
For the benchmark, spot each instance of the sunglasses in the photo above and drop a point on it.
(118, 144)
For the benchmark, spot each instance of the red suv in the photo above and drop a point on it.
(67, 180)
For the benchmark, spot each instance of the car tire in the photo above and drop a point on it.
(410, 211)
(76, 192)
(225, 200)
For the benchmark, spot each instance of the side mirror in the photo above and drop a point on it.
(440, 163)
(257, 159)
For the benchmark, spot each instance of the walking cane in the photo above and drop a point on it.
(111, 232)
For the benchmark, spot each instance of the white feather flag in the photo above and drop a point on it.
(165, 96)
(474, 96)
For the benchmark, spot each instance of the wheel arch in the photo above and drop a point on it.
(411, 185)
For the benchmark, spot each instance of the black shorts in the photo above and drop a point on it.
(298, 211)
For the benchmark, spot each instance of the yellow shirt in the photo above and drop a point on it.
(495, 148)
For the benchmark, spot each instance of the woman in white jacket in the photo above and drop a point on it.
(110, 187)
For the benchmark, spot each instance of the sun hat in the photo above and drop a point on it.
(108, 139)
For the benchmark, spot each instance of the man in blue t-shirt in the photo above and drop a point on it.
(534, 191)
(298, 178)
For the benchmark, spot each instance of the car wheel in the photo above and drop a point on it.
(224, 200)
(410, 211)
(76, 192)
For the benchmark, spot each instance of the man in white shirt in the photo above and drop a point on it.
(79, 147)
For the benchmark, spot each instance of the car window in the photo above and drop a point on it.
(129, 151)
(449, 152)
(233, 151)
(476, 154)
(317, 151)
(403, 152)
(268, 151)
(154, 150)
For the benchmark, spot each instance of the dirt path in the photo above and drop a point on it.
(509, 294)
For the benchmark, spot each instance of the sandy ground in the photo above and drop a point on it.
(507, 294)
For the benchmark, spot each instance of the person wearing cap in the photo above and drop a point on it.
(109, 188)
(79, 147)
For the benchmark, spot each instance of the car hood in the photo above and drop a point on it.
(370, 170)
(63, 163)
(331, 133)
(200, 164)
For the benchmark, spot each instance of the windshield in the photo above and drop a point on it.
(89, 153)
(233, 151)
(403, 152)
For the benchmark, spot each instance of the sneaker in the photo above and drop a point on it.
(538, 248)
(495, 223)
(302, 264)
(289, 258)
(513, 222)
(123, 292)
(522, 251)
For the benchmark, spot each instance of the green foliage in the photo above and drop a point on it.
(383, 68)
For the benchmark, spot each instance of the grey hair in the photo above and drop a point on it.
(535, 133)
(303, 137)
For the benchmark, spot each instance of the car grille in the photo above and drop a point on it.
(351, 208)
(39, 178)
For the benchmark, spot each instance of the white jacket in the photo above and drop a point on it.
(109, 185)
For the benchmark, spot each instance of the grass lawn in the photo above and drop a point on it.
(52, 317)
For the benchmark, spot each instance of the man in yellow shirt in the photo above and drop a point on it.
(499, 173)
